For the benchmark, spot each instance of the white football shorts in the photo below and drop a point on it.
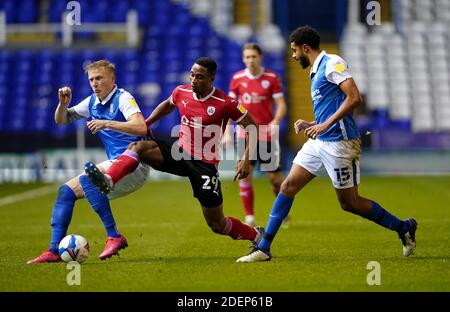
(340, 159)
(130, 183)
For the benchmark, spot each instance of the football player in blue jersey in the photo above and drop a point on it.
(334, 143)
(117, 119)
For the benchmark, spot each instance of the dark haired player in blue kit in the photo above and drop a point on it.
(334, 143)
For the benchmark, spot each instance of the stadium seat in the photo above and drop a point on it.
(56, 10)
(417, 75)
(144, 10)
(119, 14)
(240, 33)
(9, 6)
(400, 108)
(271, 39)
(27, 11)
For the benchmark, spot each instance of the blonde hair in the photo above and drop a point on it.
(102, 63)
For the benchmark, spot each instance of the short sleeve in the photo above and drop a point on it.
(82, 108)
(128, 105)
(175, 96)
(277, 89)
(337, 70)
(233, 92)
(237, 111)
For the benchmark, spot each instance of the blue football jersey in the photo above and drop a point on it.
(115, 142)
(327, 72)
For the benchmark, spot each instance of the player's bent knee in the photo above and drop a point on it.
(151, 144)
(284, 188)
(65, 193)
(287, 188)
(133, 146)
(75, 187)
(140, 147)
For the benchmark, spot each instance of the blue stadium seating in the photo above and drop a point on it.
(9, 6)
(119, 13)
(144, 10)
(27, 11)
(172, 40)
(57, 7)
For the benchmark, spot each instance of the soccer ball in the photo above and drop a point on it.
(73, 248)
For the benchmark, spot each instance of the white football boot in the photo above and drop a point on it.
(255, 255)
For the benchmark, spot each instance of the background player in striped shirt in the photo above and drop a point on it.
(204, 111)
(257, 89)
(334, 143)
(117, 119)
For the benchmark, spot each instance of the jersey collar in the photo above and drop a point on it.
(107, 98)
(317, 62)
(250, 76)
(206, 97)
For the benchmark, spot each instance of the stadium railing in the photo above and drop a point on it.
(68, 27)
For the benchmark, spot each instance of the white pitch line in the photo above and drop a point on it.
(27, 195)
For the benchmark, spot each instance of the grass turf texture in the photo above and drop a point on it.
(172, 248)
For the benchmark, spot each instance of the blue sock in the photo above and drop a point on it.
(100, 204)
(61, 215)
(382, 217)
(280, 210)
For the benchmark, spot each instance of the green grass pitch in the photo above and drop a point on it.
(172, 249)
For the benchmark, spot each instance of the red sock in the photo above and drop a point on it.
(123, 165)
(238, 230)
(246, 192)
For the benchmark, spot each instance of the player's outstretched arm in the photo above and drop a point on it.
(164, 108)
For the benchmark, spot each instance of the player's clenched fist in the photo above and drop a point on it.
(301, 124)
(64, 95)
(96, 125)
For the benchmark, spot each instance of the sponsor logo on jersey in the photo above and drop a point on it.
(210, 110)
(194, 122)
(316, 95)
(265, 84)
(246, 98)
